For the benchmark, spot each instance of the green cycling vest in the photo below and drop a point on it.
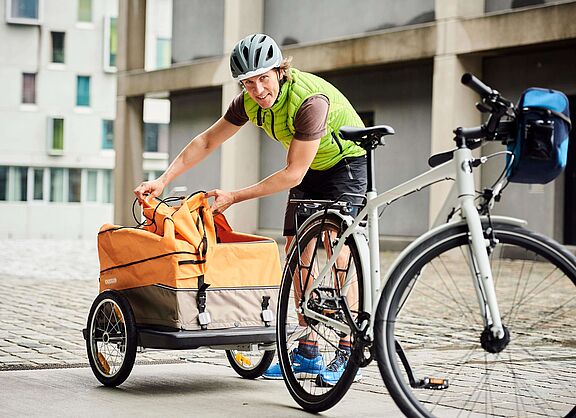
(278, 121)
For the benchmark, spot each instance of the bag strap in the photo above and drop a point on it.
(553, 112)
(204, 237)
(203, 315)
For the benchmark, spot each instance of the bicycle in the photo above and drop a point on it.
(510, 353)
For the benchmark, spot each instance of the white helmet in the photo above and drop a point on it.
(254, 55)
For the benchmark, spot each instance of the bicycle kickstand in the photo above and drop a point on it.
(435, 383)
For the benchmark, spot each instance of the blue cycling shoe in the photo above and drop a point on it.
(300, 365)
(334, 371)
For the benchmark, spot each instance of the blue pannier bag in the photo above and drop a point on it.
(540, 148)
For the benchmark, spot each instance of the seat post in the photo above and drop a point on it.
(370, 156)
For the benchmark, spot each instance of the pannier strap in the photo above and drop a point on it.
(203, 315)
(267, 315)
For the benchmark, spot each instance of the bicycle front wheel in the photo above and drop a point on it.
(435, 353)
(319, 378)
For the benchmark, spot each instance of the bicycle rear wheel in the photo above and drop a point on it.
(429, 318)
(311, 255)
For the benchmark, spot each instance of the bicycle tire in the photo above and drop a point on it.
(533, 375)
(302, 386)
(112, 338)
(249, 365)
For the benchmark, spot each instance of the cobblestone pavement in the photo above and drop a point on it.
(46, 291)
(47, 288)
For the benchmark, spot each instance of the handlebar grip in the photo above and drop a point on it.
(475, 84)
(471, 133)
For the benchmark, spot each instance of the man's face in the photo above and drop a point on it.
(263, 88)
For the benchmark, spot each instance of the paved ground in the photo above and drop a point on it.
(46, 291)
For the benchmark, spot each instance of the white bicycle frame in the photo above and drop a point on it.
(458, 169)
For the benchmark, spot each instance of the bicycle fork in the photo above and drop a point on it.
(479, 259)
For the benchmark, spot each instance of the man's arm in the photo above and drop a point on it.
(196, 150)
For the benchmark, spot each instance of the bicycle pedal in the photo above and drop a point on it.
(433, 383)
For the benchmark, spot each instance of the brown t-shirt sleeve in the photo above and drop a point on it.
(310, 120)
(236, 114)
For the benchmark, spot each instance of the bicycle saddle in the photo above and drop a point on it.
(366, 137)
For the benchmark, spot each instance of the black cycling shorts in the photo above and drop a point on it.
(347, 176)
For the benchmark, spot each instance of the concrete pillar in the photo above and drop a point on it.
(240, 155)
(128, 129)
(452, 102)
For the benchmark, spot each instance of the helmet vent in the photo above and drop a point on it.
(270, 53)
(236, 62)
(257, 57)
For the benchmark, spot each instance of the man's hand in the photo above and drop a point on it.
(222, 200)
(148, 190)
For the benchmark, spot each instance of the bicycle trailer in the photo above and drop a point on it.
(183, 280)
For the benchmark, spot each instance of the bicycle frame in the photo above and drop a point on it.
(458, 169)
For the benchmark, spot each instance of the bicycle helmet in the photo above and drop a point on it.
(254, 55)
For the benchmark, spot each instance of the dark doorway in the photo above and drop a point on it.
(570, 182)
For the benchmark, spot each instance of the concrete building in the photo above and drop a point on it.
(398, 62)
(57, 111)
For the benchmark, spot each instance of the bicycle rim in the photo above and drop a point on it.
(433, 313)
(316, 243)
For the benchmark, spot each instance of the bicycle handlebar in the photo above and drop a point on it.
(478, 86)
(493, 103)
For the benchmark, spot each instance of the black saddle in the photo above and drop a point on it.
(367, 138)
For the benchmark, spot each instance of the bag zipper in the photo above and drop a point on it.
(335, 137)
(272, 125)
(261, 118)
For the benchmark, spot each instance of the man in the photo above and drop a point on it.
(304, 113)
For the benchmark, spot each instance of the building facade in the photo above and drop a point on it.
(57, 110)
(398, 62)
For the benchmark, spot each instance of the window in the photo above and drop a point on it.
(56, 185)
(91, 185)
(74, 184)
(163, 53)
(58, 47)
(3, 183)
(14, 184)
(151, 137)
(23, 11)
(38, 185)
(28, 88)
(155, 137)
(108, 189)
(55, 136)
(84, 10)
(107, 134)
(110, 43)
(83, 90)
(19, 183)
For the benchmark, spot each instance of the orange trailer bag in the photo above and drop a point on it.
(232, 282)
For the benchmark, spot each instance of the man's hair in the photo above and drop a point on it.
(285, 67)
